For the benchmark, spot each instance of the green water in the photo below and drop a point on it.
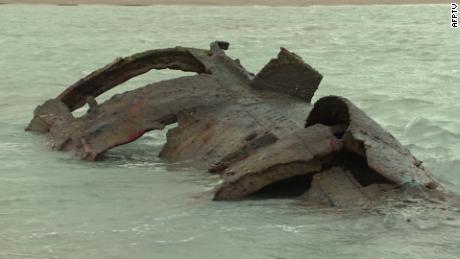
(399, 63)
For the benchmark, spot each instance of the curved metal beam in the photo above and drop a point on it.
(123, 69)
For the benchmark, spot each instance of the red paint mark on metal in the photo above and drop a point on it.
(333, 146)
(135, 136)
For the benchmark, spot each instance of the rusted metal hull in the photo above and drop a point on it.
(256, 131)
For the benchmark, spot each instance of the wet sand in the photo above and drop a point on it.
(224, 2)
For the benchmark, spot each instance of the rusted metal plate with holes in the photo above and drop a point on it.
(248, 128)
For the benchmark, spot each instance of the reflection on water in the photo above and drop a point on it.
(396, 62)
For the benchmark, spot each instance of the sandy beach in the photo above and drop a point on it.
(224, 2)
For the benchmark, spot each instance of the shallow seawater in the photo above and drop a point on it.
(399, 63)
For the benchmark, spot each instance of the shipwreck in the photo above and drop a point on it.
(260, 132)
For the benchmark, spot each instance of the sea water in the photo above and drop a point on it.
(401, 64)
